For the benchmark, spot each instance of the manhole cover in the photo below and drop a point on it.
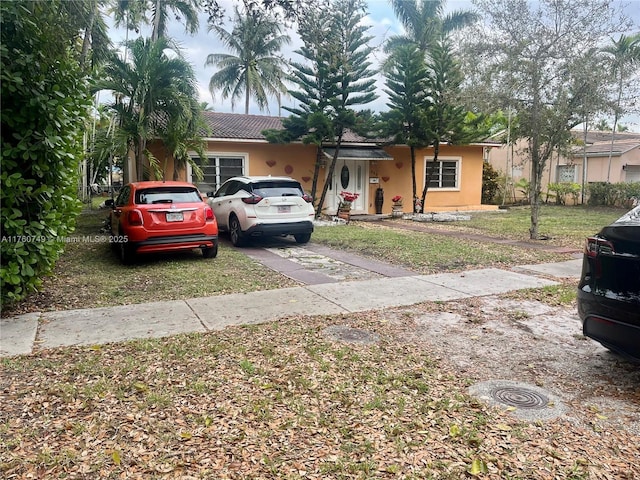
(527, 402)
(520, 397)
(343, 333)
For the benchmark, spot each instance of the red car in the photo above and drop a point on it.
(150, 217)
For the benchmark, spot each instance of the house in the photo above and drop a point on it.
(237, 147)
(586, 162)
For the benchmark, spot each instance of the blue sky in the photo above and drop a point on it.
(381, 20)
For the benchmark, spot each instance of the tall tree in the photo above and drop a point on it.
(447, 119)
(407, 81)
(315, 84)
(533, 56)
(334, 77)
(152, 90)
(255, 68)
(347, 53)
(624, 55)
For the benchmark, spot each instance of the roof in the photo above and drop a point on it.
(596, 136)
(600, 149)
(238, 126)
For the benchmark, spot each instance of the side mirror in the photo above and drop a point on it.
(210, 194)
(108, 202)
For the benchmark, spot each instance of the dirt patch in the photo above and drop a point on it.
(496, 338)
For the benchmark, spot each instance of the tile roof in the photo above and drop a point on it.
(596, 136)
(237, 126)
(602, 148)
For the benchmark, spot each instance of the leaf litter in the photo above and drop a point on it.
(282, 400)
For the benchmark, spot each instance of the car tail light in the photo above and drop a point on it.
(595, 246)
(252, 200)
(208, 213)
(307, 198)
(134, 218)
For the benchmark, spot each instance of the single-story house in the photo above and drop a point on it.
(588, 160)
(237, 147)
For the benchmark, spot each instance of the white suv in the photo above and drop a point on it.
(261, 207)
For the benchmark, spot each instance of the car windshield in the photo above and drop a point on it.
(167, 195)
(277, 189)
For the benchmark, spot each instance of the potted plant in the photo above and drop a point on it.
(344, 208)
(347, 199)
(396, 207)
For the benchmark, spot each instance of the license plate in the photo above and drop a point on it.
(284, 208)
(175, 217)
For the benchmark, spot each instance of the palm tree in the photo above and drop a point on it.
(424, 22)
(132, 13)
(254, 69)
(152, 91)
(625, 57)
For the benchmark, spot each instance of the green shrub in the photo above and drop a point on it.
(45, 101)
(613, 194)
(490, 185)
(563, 189)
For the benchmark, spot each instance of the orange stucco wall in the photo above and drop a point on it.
(394, 176)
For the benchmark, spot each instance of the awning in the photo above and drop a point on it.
(358, 153)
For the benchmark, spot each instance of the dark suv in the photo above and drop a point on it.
(261, 207)
(609, 289)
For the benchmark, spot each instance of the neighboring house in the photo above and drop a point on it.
(623, 167)
(237, 147)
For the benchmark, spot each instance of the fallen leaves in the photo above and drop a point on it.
(277, 401)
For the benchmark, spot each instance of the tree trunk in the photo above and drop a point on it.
(156, 21)
(427, 178)
(534, 146)
(316, 175)
(413, 178)
(536, 190)
(329, 179)
(86, 41)
(615, 124)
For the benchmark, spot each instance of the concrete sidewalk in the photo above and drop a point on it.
(21, 335)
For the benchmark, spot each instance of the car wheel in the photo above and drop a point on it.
(210, 252)
(125, 253)
(302, 237)
(235, 232)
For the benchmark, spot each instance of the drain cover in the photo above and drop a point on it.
(520, 397)
(343, 333)
(527, 402)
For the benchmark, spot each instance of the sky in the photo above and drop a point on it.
(380, 19)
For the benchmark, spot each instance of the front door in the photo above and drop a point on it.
(350, 176)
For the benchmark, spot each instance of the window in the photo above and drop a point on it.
(443, 173)
(167, 195)
(217, 170)
(566, 173)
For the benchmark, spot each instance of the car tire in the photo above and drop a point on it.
(125, 253)
(302, 237)
(211, 252)
(235, 232)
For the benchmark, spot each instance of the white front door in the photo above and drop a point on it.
(350, 176)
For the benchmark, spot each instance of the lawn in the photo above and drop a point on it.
(89, 275)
